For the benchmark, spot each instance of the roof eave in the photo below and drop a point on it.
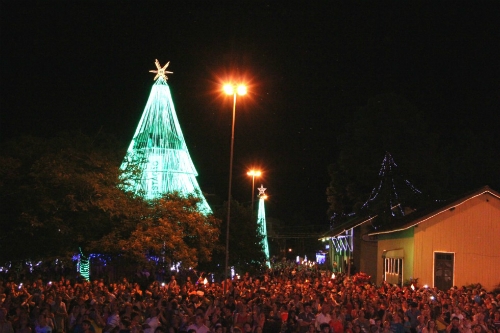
(483, 190)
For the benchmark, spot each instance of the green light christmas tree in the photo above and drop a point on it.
(165, 165)
(261, 222)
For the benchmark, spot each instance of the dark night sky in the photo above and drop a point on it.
(84, 65)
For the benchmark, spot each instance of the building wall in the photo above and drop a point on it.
(395, 241)
(472, 232)
(356, 253)
(368, 259)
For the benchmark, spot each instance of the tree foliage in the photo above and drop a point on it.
(67, 192)
(171, 230)
(58, 194)
(246, 253)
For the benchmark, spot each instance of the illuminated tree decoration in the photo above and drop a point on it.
(261, 222)
(161, 71)
(387, 179)
(158, 145)
(83, 266)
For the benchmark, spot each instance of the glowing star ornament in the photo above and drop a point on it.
(261, 190)
(161, 71)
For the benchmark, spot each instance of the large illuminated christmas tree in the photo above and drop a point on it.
(261, 222)
(160, 150)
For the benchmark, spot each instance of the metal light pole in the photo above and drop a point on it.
(231, 90)
(253, 173)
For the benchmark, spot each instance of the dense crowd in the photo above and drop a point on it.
(289, 299)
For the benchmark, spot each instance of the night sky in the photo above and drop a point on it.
(68, 65)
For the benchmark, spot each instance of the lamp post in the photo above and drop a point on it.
(253, 173)
(231, 89)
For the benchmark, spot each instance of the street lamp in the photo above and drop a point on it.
(231, 89)
(253, 173)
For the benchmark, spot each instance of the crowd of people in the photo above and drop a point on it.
(288, 299)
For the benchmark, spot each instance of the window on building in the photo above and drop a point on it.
(393, 270)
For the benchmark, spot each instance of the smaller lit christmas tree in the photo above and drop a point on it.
(261, 222)
(83, 266)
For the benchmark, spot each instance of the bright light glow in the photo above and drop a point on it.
(333, 275)
(320, 258)
(242, 90)
(254, 173)
(230, 89)
(205, 281)
(412, 287)
(426, 286)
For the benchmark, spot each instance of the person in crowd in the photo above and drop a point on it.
(311, 328)
(60, 314)
(421, 323)
(113, 320)
(336, 324)
(431, 327)
(495, 321)
(218, 328)
(323, 317)
(407, 324)
(291, 325)
(241, 316)
(5, 325)
(396, 323)
(413, 314)
(42, 326)
(306, 318)
(72, 317)
(455, 326)
(23, 325)
(247, 327)
(324, 328)
(199, 326)
(362, 321)
(86, 326)
(152, 322)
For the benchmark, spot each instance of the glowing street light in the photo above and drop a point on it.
(254, 173)
(231, 89)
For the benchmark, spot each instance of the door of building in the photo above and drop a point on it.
(443, 270)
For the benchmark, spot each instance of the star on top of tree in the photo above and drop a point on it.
(261, 189)
(161, 71)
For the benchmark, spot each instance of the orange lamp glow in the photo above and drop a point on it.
(231, 89)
